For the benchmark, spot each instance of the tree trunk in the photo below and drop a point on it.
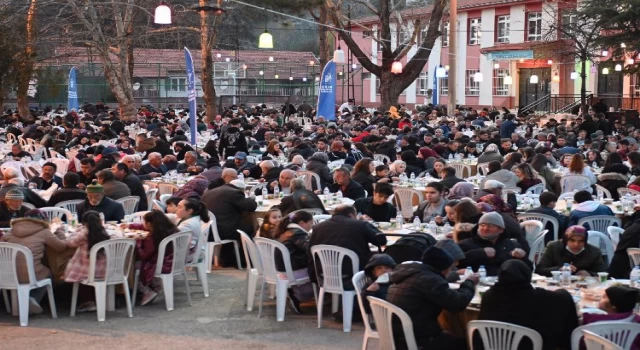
(130, 59)
(26, 65)
(323, 36)
(117, 75)
(583, 86)
(390, 89)
(207, 38)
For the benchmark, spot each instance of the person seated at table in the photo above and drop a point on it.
(503, 176)
(87, 172)
(243, 166)
(493, 203)
(490, 154)
(378, 272)
(453, 249)
(433, 204)
(573, 249)
(172, 204)
(526, 177)
(461, 190)
(422, 291)
(548, 202)
(154, 165)
(578, 167)
(514, 300)
(438, 165)
(29, 195)
(318, 163)
(159, 227)
(540, 165)
(192, 215)
(396, 169)
(382, 174)
(273, 150)
(283, 182)
(270, 223)
(34, 232)
(96, 200)
(269, 171)
(362, 174)
(11, 207)
(619, 302)
(490, 245)
(69, 190)
(342, 182)
(586, 207)
(377, 208)
(192, 165)
(448, 176)
(300, 198)
(113, 188)
(47, 177)
(86, 236)
(17, 153)
(293, 232)
(465, 217)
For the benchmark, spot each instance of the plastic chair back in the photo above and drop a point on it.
(180, 242)
(9, 262)
(603, 242)
(403, 198)
(532, 229)
(601, 190)
(535, 189)
(331, 258)
(621, 333)
(359, 280)
(462, 170)
(537, 249)
(56, 212)
(383, 314)
(483, 168)
(634, 256)
(572, 183)
(214, 228)
(167, 188)
(129, 203)
(151, 195)
(309, 177)
(118, 255)
(614, 234)
(599, 223)
(320, 218)
(593, 341)
(251, 254)
(502, 336)
(382, 158)
(266, 251)
(623, 190)
(71, 205)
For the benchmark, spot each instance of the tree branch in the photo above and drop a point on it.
(368, 5)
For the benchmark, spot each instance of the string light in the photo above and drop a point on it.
(396, 67)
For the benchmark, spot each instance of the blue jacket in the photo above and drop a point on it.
(507, 128)
(576, 215)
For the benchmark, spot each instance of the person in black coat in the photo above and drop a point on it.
(342, 182)
(513, 300)
(68, 192)
(450, 179)
(47, 177)
(293, 232)
(376, 207)
(232, 140)
(620, 266)
(155, 165)
(97, 201)
(362, 174)
(11, 208)
(422, 291)
(300, 198)
(124, 175)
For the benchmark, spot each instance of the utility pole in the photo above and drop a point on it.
(453, 55)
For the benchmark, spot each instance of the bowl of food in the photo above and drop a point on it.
(608, 201)
(384, 225)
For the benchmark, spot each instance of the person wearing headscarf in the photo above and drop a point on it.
(514, 300)
(193, 188)
(461, 190)
(573, 249)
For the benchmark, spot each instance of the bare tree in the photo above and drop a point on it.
(392, 85)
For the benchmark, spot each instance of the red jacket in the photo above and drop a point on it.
(360, 137)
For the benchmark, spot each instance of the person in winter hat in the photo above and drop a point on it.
(378, 271)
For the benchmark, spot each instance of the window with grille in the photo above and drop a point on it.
(423, 84)
(176, 84)
(534, 24)
(445, 34)
(568, 23)
(499, 87)
(474, 31)
(444, 86)
(367, 34)
(471, 87)
(502, 29)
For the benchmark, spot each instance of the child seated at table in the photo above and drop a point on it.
(270, 223)
(619, 303)
(172, 204)
(86, 236)
(378, 271)
(382, 174)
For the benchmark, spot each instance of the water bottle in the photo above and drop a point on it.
(450, 156)
(566, 274)
(413, 178)
(433, 227)
(326, 192)
(359, 216)
(468, 272)
(264, 193)
(399, 220)
(446, 228)
(241, 177)
(276, 192)
(416, 223)
(634, 278)
(74, 220)
(595, 165)
(339, 196)
(600, 196)
(482, 272)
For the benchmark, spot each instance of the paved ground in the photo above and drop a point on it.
(218, 322)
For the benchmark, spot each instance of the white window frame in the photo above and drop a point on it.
(443, 86)
(534, 20)
(422, 84)
(572, 18)
(471, 87)
(499, 87)
(474, 31)
(445, 34)
(505, 22)
(176, 84)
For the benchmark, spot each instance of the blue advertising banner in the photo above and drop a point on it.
(72, 101)
(191, 93)
(327, 92)
(434, 93)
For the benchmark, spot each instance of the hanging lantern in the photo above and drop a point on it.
(218, 55)
(623, 45)
(605, 71)
(550, 62)
(446, 67)
(270, 58)
(304, 79)
(630, 61)
(508, 80)
(354, 66)
(555, 78)
(312, 63)
(605, 53)
(228, 59)
(244, 66)
(162, 14)
(441, 72)
(478, 78)
(396, 67)
(338, 56)
(290, 78)
(618, 67)
(261, 73)
(265, 41)
(574, 75)
(496, 65)
(533, 79)
(317, 79)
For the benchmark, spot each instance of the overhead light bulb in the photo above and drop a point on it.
(533, 79)
(311, 63)
(605, 71)
(630, 61)
(441, 72)
(261, 72)
(478, 77)
(227, 59)
(550, 62)
(396, 67)
(162, 14)
(508, 80)
(555, 78)
(304, 79)
(623, 45)
(219, 55)
(574, 75)
(605, 53)
(338, 56)
(496, 65)
(618, 67)
(276, 76)
(265, 41)
(270, 58)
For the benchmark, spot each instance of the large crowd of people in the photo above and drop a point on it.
(359, 154)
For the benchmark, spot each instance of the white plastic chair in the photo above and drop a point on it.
(20, 291)
(603, 242)
(252, 159)
(620, 333)
(483, 168)
(71, 205)
(544, 218)
(383, 312)
(118, 257)
(312, 211)
(330, 258)
(593, 341)
(167, 188)
(157, 205)
(199, 261)
(570, 183)
(180, 242)
(382, 158)
(211, 246)
(320, 218)
(634, 256)
(536, 250)
(535, 189)
(309, 177)
(266, 251)
(600, 223)
(11, 138)
(254, 267)
(56, 212)
(462, 170)
(139, 215)
(502, 336)
(164, 197)
(151, 195)
(567, 196)
(614, 234)
(404, 199)
(622, 191)
(129, 203)
(62, 165)
(359, 280)
(532, 229)
(601, 190)
(259, 186)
